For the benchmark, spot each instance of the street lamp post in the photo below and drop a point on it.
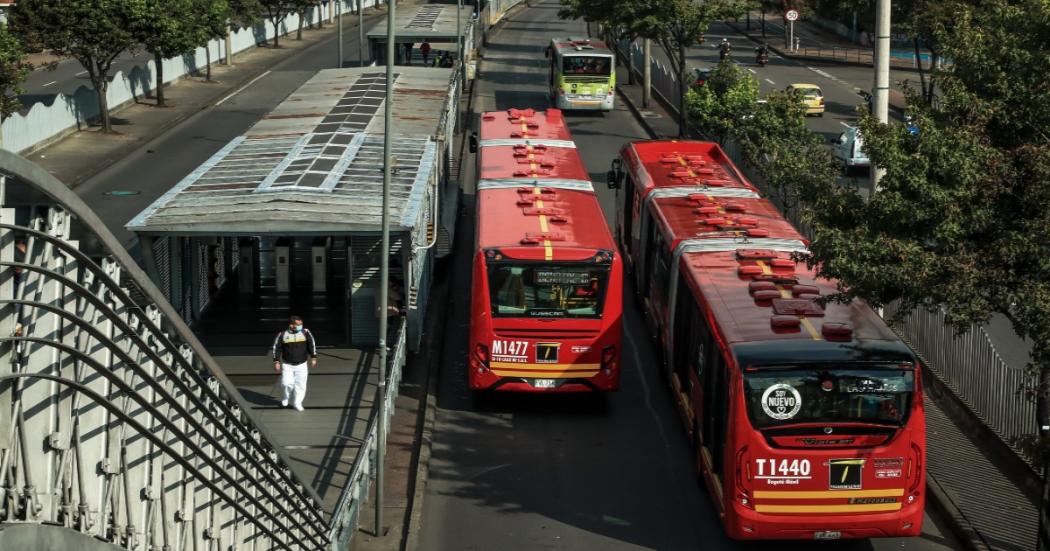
(459, 39)
(881, 93)
(339, 32)
(361, 31)
(384, 264)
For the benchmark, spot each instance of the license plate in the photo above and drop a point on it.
(543, 383)
(828, 535)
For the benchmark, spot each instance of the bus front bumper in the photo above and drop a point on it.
(605, 103)
(751, 525)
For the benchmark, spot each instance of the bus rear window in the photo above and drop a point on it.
(548, 290)
(584, 65)
(777, 397)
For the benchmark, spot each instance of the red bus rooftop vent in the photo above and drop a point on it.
(751, 270)
(710, 209)
(761, 285)
(783, 263)
(785, 322)
(766, 294)
(837, 331)
(735, 207)
(797, 307)
(757, 232)
(699, 197)
(800, 290)
(532, 238)
(755, 254)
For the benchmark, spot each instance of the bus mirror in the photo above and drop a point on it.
(612, 179)
(473, 145)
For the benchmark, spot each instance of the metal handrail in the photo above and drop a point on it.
(121, 296)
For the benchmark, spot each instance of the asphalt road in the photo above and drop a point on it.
(160, 164)
(43, 85)
(534, 472)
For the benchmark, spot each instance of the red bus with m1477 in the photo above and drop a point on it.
(547, 280)
(806, 416)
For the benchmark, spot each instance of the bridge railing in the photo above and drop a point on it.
(114, 420)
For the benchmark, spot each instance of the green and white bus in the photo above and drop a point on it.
(582, 74)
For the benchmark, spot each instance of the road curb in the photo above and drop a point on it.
(129, 148)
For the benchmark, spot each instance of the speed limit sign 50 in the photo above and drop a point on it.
(791, 15)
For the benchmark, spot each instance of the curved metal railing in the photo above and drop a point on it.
(114, 420)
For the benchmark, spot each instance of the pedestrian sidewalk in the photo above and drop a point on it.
(984, 507)
(85, 152)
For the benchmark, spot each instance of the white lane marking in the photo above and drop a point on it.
(844, 124)
(771, 82)
(50, 83)
(81, 73)
(821, 73)
(752, 71)
(241, 89)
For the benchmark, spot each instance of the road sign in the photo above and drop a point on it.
(791, 15)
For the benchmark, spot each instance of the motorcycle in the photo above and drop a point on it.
(723, 53)
(762, 58)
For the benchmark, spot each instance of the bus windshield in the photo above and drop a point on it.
(777, 397)
(586, 65)
(548, 290)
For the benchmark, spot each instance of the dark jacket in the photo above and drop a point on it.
(294, 348)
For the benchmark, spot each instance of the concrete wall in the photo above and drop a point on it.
(45, 122)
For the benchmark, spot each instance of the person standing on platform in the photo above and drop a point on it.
(424, 49)
(292, 349)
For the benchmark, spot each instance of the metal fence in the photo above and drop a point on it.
(348, 511)
(967, 363)
(115, 423)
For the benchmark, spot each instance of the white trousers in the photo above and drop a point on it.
(293, 381)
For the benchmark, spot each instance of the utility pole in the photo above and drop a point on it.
(384, 265)
(881, 93)
(339, 32)
(229, 43)
(459, 43)
(361, 31)
(647, 72)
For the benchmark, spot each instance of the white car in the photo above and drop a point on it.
(849, 148)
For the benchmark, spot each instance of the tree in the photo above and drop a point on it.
(94, 32)
(277, 11)
(213, 23)
(962, 217)
(678, 25)
(170, 28)
(727, 99)
(302, 8)
(620, 19)
(13, 71)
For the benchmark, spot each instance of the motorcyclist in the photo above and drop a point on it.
(724, 48)
(762, 54)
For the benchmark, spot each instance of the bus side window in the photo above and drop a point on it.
(628, 212)
(683, 332)
(715, 388)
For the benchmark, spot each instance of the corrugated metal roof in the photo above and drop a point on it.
(313, 165)
(430, 21)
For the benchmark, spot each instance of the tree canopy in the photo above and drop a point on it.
(962, 217)
(13, 71)
(94, 32)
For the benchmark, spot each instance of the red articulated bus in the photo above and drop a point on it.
(806, 418)
(547, 295)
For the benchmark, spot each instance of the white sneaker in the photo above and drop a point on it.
(284, 403)
(298, 407)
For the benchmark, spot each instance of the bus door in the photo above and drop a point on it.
(655, 284)
(715, 397)
(625, 219)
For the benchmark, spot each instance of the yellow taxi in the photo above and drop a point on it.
(810, 95)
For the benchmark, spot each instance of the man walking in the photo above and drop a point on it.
(291, 350)
(424, 49)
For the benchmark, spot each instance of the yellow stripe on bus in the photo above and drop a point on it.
(548, 250)
(858, 508)
(827, 494)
